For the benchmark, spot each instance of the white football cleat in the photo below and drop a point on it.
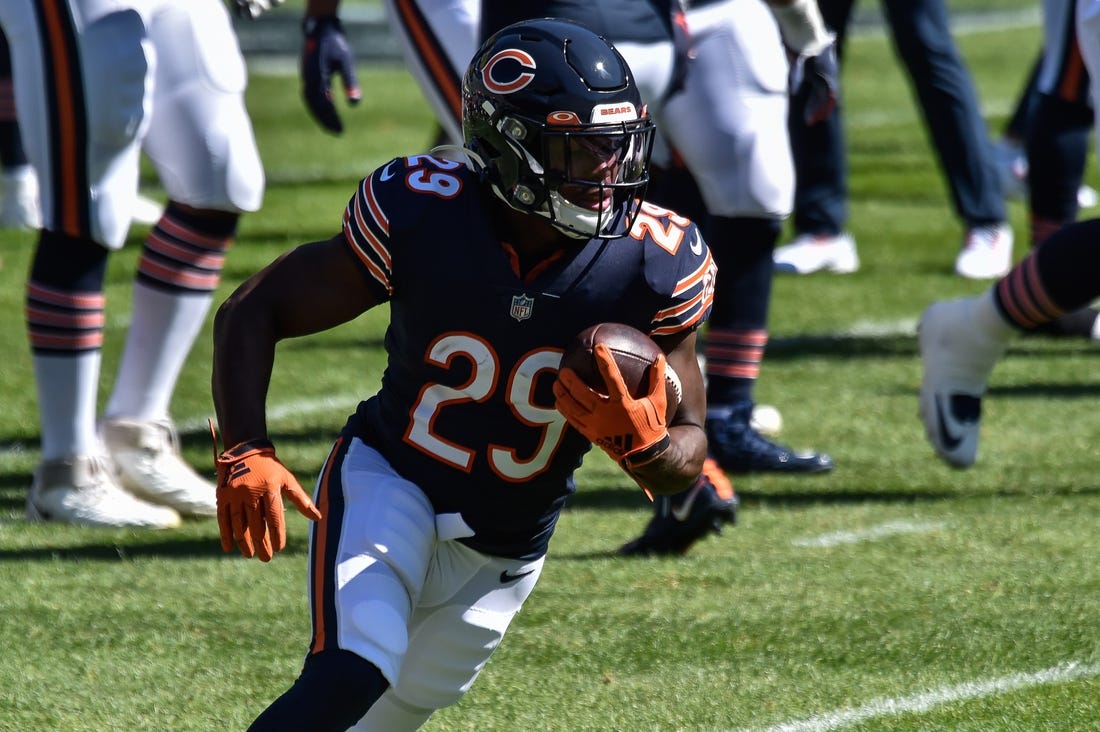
(19, 199)
(957, 358)
(986, 252)
(815, 252)
(150, 466)
(83, 490)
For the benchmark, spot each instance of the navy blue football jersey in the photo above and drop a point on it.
(465, 409)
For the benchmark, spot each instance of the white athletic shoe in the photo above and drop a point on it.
(150, 466)
(986, 252)
(19, 199)
(957, 358)
(815, 252)
(84, 491)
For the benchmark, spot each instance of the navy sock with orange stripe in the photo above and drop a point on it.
(1057, 277)
(65, 301)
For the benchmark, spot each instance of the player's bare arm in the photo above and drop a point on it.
(678, 466)
(310, 289)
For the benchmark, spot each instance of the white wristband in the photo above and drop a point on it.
(802, 27)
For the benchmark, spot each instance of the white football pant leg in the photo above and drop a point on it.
(116, 68)
(200, 137)
(468, 601)
(385, 545)
(729, 123)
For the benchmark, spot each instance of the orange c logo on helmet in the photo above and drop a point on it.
(522, 78)
(563, 118)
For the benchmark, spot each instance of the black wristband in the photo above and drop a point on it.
(644, 457)
(244, 447)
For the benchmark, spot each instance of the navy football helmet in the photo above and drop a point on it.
(552, 113)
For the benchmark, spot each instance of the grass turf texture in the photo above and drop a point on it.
(892, 577)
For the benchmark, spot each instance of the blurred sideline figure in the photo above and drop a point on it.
(943, 88)
(1051, 126)
(97, 83)
(962, 340)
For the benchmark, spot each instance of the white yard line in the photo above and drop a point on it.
(890, 528)
(927, 700)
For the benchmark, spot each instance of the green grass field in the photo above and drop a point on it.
(893, 594)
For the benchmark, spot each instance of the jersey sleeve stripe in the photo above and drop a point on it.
(351, 234)
(694, 278)
(370, 239)
(376, 211)
(696, 296)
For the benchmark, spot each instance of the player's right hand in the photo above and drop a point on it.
(326, 51)
(251, 485)
(631, 430)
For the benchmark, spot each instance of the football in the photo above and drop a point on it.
(634, 352)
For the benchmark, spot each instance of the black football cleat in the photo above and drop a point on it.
(681, 519)
(739, 448)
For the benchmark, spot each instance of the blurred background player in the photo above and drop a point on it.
(1044, 150)
(18, 183)
(97, 83)
(921, 33)
(962, 340)
(438, 38)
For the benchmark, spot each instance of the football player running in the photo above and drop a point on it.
(435, 507)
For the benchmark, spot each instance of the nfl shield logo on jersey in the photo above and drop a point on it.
(521, 307)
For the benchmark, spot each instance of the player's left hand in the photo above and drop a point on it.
(253, 9)
(630, 430)
(251, 485)
(327, 51)
(817, 79)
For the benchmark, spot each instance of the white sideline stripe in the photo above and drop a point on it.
(193, 425)
(922, 702)
(286, 409)
(890, 528)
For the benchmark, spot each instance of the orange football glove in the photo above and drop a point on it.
(251, 486)
(632, 431)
